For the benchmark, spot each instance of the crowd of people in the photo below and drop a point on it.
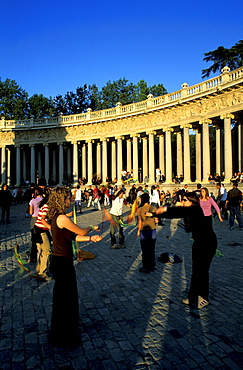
(54, 234)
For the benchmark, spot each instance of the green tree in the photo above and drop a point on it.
(114, 92)
(13, 100)
(221, 57)
(40, 106)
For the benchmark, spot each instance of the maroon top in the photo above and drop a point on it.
(62, 240)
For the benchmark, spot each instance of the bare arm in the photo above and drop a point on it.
(64, 222)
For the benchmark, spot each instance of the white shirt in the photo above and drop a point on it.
(117, 207)
(154, 197)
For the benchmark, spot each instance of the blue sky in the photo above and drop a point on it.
(50, 47)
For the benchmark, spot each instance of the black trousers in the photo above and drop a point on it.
(65, 309)
(202, 255)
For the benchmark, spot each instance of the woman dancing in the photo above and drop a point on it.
(206, 203)
(147, 233)
(65, 309)
(203, 248)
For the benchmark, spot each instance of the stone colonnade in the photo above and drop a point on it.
(168, 148)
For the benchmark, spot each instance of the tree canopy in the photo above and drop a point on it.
(16, 104)
(221, 57)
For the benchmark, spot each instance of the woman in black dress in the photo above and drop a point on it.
(203, 248)
(65, 310)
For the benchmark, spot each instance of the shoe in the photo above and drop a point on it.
(202, 302)
(241, 228)
(142, 269)
(185, 301)
(122, 246)
(231, 227)
(116, 246)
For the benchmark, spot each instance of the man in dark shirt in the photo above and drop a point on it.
(5, 202)
(234, 198)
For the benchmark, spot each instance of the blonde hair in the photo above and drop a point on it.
(57, 201)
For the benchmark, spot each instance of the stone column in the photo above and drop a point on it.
(240, 153)
(8, 166)
(145, 159)
(70, 165)
(47, 169)
(119, 159)
(186, 153)
(104, 159)
(54, 165)
(228, 166)
(18, 165)
(162, 154)
(129, 155)
(168, 156)
(151, 157)
(84, 173)
(98, 160)
(205, 150)
(24, 165)
(135, 155)
(90, 162)
(75, 163)
(39, 164)
(3, 165)
(61, 164)
(218, 150)
(113, 160)
(179, 155)
(198, 156)
(32, 164)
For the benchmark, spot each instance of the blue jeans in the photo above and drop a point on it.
(235, 212)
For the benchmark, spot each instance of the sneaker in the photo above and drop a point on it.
(231, 227)
(115, 246)
(122, 246)
(241, 228)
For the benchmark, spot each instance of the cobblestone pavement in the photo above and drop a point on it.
(129, 320)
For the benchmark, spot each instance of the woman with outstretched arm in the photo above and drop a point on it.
(65, 309)
(203, 248)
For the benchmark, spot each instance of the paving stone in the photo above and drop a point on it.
(129, 321)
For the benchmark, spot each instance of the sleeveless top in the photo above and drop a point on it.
(62, 240)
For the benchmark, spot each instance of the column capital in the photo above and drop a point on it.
(227, 116)
(186, 125)
(89, 141)
(31, 145)
(59, 143)
(206, 121)
(119, 137)
(168, 129)
(104, 139)
(178, 132)
(134, 135)
(74, 142)
(45, 144)
(150, 132)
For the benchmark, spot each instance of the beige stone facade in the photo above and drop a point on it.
(140, 137)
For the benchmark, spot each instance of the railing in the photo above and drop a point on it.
(187, 92)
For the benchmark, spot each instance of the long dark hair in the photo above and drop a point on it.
(192, 197)
(144, 199)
